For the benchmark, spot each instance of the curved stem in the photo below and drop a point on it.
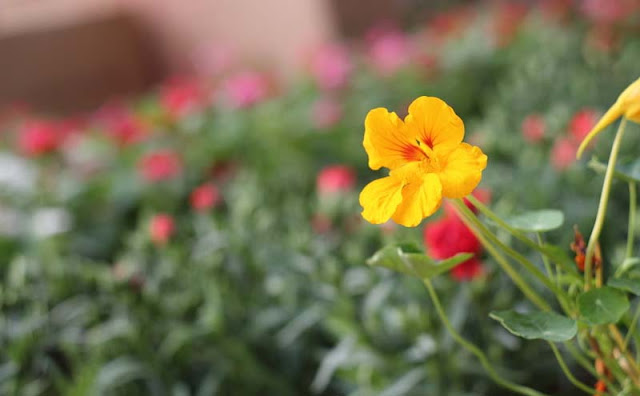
(523, 390)
(602, 206)
(582, 361)
(545, 260)
(632, 327)
(567, 372)
(504, 264)
(633, 370)
(632, 219)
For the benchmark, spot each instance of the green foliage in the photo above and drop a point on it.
(537, 221)
(548, 326)
(603, 305)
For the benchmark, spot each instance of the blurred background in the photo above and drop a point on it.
(179, 188)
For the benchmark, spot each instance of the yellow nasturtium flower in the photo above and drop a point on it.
(627, 105)
(426, 158)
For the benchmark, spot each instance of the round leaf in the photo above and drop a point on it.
(603, 305)
(548, 326)
(537, 221)
(627, 284)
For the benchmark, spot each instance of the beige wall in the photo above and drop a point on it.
(275, 31)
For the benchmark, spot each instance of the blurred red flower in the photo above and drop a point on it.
(120, 123)
(606, 12)
(38, 137)
(563, 153)
(161, 228)
(449, 236)
(533, 128)
(160, 165)
(205, 197)
(335, 179)
(330, 66)
(181, 97)
(581, 123)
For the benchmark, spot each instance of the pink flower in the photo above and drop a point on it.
(181, 97)
(563, 153)
(335, 179)
(581, 124)
(533, 128)
(390, 52)
(605, 12)
(120, 123)
(331, 66)
(507, 20)
(205, 197)
(38, 137)
(160, 165)
(246, 88)
(161, 228)
(326, 112)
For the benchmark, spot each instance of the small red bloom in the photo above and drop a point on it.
(160, 165)
(563, 153)
(390, 52)
(582, 123)
(533, 128)
(38, 137)
(467, 270)
(449, 236)
(161, 228)
(335, 179)
(205, 197)
(181, 97)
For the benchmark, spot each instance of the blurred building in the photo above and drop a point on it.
(66, 55)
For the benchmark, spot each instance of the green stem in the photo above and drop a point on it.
(504, 264)
(632, 219)
(602, 206)
(547, 265)
(582, 361)
(475, 350)
(632, 326)
(567, 372)
(515, 255)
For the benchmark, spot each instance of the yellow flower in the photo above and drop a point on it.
(426, 158)
(627, 105)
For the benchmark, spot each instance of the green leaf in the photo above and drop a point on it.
(631, 285)
(395, 258)
(559, 256)
(537, 220)
(603, 305)
(630, 170)
(548, 326)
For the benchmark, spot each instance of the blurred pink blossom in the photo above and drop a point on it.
(120, 123)
(390, 51)
(335, 179)
(326, 112)
(563, 153)
(161, 228)
(533, 128)
(246, 88)
(331, 66)
(205, 197)
(160, 165)
(605, 12)
(37, 137)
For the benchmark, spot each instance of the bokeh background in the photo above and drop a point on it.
(179, 188)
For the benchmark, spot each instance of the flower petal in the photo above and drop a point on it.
(380, 198)
(462, 170)
(421, 197)
(387, 141)
(435, 124)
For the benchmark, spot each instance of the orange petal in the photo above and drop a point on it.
(380, 198)
(421, 197)
(387, 140)
(435, 124)
(462, 170)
